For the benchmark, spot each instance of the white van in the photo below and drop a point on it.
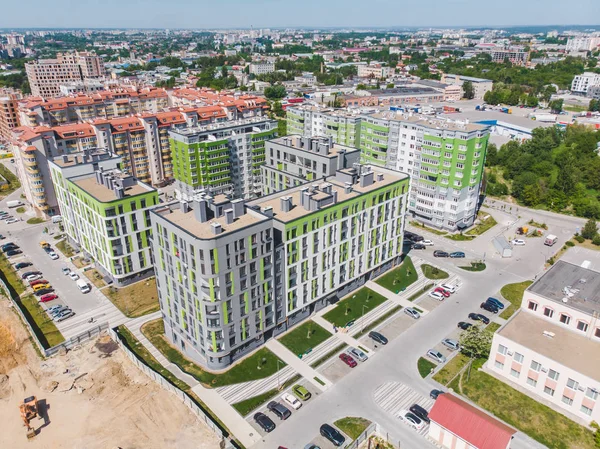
(83, 286)
(550, 240)
(57, 219)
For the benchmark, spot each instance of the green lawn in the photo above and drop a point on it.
(13, 181)
(327, 356)
(460, 237)
(262, 363)
(475, 266)
(513, 293)
(425, 367)
(352, 427)
(45, 328)
(575, 108)
(35, 220)
(483, 226)
(432, 272)
(65, 248)
(304, 337)
(451, 369)
(541, 423)
(11, 275)
(20, 210)
(416, 224)
(394, 310)
(246, 406)
(420, 292)
(135, 300)
(399, 278)
(493, 327)
(352, 308)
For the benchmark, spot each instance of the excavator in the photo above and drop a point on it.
(29, 410)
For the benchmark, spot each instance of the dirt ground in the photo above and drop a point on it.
(92, 397)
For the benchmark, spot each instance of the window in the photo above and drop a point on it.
(549, 391)
(582, 326)
(586, 410)
(502, 349)
(591, 393)
(572, 384)
(515, 373)
(535, 366)
(565, 319)
(553, 374)
(548, 312)
(531, 381)
(518, 357)
(567, 400)
(532, 306)
(499, 365)
(597, 332)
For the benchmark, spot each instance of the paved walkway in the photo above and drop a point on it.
(342, 335)
(299, 365)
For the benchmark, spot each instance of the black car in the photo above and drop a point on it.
(20, 265)
(433, 394)
(280, 410)
(8, 248)
(14, 252)
(418, 238)
(29, 273)
(464, 326)
(418, 246)
(439, 253)
(2, 237)
(332, 435)
(48, 249)
(489, 307)
(479, 317)
(457, 255)
(420, 412)
(264, 422)
(43, 291)
(379, 338)
(409, 235)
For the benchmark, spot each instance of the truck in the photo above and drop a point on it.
(83, 286)
(14, 203)
(550, 240)
(506, 110)
(549, 118)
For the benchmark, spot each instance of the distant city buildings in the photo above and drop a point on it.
(480, 85)
(374, 70)
(262, 68)
(9, 113)
(582, 43)
(582, 83)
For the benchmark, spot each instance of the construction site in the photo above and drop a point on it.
(90, 397)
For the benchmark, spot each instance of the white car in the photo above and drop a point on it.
(413, 313)
(358, 354)
(411, 419)
(11, 220)
(33, 277)
(449, 288)
(292, 401)
(518, 242)
(436, 295)
(73, 275)
(426, 242)
(53, 255)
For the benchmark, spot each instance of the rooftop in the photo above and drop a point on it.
(571, 285)
(566, 347)
(103, 193)
(323, 146)
(429, 122)
(200, 129)
(88, 156)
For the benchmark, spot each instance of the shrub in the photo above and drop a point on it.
(596, 240)
(579, 238)
(570, 243)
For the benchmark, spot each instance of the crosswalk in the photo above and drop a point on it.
(395, 396)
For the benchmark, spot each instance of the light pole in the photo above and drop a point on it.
(278, 384)
(362, 318)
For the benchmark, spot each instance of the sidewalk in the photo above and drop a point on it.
(344, 336)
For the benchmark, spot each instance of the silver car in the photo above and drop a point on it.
(450, 343)
(436, 355)
(413, 313)
(358, 354)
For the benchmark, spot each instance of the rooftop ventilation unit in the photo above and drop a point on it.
(549, 334)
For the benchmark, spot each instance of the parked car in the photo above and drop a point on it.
(378, 338)
(7, 248)
(348, 360)
(64, 316)
(54, 308)
(33, 277)
(2, 237)
(433, 394)
(495, 302)
(489, 307)
(518, 242)
(311, 446)
(301, 392)
(37, 282)
(358, 354)
(442, 291)
(409, 235)
(450, 343)
(20, 265)
(53, 255)
(280, 410)
(479, 317)
(49, 297)
(39, 287)
(13, 252)
(7, 245)
(440, 253)
(413, 313)
(417, 238)
(47, 248)
(66, 271)
(449, 288)
(43, 291)
(418, 246)
(436, 295)
(464, 325)
(292, 401)
(457, 255)
(11, 221)
(426, 242)
(411, 419)
(436, 355)
(74, 276)
(30, 273)
(332, 434)
(420, 412)
(264, 422)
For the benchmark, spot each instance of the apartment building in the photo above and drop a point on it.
(582, 83)
(582, 43)
(549, 348)
(106, 213)
(221, 158)
(9, 114)
(480, 85)
(374, 71)
(262, 68)
(236, 106)
(294, 160)
(46, 75)
(309, 121)
(231, 275)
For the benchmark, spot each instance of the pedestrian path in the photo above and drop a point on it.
(395, 396)
(341, 334)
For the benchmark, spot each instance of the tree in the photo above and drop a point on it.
(468, 90)
(590, 230)
(594, 105)
(475, 342)
(556, 106)
(275, 92)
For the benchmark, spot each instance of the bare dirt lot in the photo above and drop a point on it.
(91, 398)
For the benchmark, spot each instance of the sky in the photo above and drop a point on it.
(293, 13)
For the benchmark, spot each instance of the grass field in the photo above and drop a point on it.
(246, 406)
(327, 356)
(11, 275)
(513, 293)
(493, 327)
(262, 363)
(451, 369)
(485, 225)
(352, 308)
(35, 220)
(352, 427)
(135, 300)
(431, 272)
(65, 248)
(399, 278)
(394, 310)
(50, 335)
(460, 237)
(304, 337)
(425, 367)
(95, 277)
(475, 266)
(13, 181)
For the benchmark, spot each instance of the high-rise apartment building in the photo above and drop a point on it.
(221, 158)
(231, 275)
(46, 75)
(582, 83)
(106, 213)
(9, 114)
(309, 121)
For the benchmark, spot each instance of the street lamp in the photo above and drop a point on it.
(278, 384)
(362, 318)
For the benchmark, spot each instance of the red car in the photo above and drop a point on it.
(48, 297)
(39, 281)
(348, 360)
(441, 291)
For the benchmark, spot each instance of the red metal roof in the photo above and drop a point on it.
(469, 423)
